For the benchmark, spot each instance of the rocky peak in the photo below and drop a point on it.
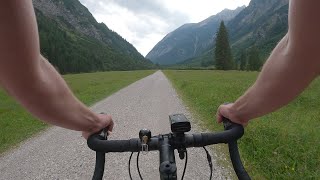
(70, 13)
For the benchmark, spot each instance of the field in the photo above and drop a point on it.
(17, 125)
(281, 145)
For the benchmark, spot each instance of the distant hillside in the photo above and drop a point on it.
(189, 40)
(74, 41)
(263, 23)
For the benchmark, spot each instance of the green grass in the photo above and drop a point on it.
(281, 145)
(17, 125)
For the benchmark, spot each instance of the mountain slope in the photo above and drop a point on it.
(263, 23)
(189, 40)
(74, 41)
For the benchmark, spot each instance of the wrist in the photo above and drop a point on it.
(94, 123)
(238, 114)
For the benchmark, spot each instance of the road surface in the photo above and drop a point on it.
(63, 154)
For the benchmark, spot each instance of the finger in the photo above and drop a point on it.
(110, 123)
(218, 115)
(85, 135)
(110, 127)
(107, 121)
(219, 118)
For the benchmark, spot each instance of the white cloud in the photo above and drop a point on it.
(144, 23)
(199, 10)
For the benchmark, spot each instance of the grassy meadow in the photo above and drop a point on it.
(17, 125)
(281, 145)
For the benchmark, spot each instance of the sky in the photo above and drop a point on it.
(144, 23)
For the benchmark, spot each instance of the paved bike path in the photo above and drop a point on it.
(58, 153)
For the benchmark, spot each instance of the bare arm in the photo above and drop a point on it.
(32, 80)
(293, 64)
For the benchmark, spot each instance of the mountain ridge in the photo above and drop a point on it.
(74, 41)
(189, 40)
(262, 24)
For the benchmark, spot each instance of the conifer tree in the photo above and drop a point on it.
(223, 56)
(254, 61)
(243, 61)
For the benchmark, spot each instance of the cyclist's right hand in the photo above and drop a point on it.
(105, 122)
(227, 111)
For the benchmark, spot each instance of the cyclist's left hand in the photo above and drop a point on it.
(105, 121)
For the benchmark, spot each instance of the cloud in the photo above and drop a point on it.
(144, 23)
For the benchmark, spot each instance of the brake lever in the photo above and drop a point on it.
(227, 123)
(104, 132)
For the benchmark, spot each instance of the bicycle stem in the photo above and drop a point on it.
(168, 168)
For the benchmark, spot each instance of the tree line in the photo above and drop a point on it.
(249, 59)
(72, 52)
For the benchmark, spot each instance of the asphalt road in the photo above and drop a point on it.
(63, 154)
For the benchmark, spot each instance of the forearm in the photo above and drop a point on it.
(45, 94)
(283, 77)
(32, 80)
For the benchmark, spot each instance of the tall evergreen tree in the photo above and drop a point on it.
(243, 61)
(223, 56)
(254, 61)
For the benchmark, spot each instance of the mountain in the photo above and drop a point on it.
(73, 41)
(262, 24)
(189, 40)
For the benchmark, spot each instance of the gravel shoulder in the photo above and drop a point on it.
(58, 153)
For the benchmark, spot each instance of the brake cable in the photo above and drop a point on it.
(184, 169)
(129, 166)
(138, 165)
(209, 161)
(185, 165)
